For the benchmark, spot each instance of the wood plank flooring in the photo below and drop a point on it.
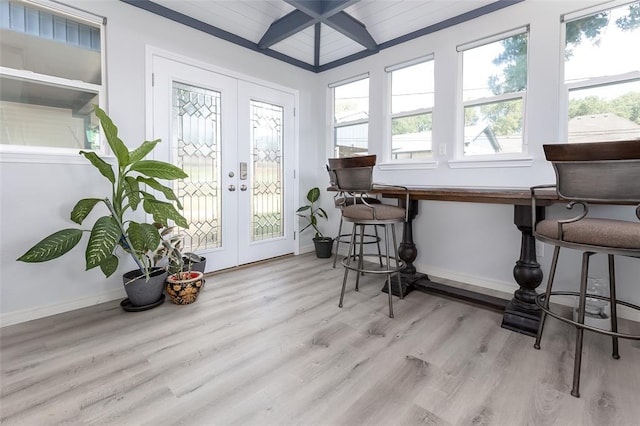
(268, 345)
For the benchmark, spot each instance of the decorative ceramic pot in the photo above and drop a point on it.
(183, 288)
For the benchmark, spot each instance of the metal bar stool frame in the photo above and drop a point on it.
(616, 166)
(357, 182)
(342, 198)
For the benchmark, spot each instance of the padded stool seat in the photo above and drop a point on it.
(600, 172)
(595, 232)
(356, 180)
(376, 212)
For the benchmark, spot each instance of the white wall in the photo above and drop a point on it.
(38, 197)
(471, 242)
(478, 243)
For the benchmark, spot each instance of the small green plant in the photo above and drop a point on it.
(128, 192)
(311, 213)
(169, 253)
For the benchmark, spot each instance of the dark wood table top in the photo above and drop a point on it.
(472, 194)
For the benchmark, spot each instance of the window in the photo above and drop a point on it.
(494, 86)
(412, 98)
(602, 74)
(351, 117)
(50, 76)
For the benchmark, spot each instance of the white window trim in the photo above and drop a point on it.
(60, 155)
(333, 124)
(50, 80)
(586, 82)
(521, 159)
(405, 164)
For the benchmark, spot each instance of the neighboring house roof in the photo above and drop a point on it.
(602, 127)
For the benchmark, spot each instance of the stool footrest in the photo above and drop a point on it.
(352, 264)
(540, 301)
(369, 239)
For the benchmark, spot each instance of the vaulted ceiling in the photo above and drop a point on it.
(320, 34)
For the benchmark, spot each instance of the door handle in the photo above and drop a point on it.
(243, 187)
(232, 188)
(243, 171)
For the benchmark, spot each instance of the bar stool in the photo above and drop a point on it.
(343, 199)
(357, 182)
(606, 172)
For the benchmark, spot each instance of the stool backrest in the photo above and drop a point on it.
(598, 171)
(353, 174)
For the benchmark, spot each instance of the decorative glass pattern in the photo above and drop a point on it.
(267, 200)
(196, 141)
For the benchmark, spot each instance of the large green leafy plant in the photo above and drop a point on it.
(114, 230)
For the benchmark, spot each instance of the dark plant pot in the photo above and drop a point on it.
(194, 266)
(324, 245)
(142, 293)
(184, 289)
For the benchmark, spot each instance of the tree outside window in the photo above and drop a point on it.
(412, 99)
(602, 75)
(494, 85)
(351, 118)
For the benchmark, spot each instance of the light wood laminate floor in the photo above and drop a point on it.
(268, 345)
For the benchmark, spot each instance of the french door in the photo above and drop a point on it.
(235, 140)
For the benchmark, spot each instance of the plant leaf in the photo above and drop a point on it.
(144, 237)
(118, 147)
(303, 208)
(53, 246)
(104, 237)
(322, 213)
(105, 168)
(109, 265)
(162, 211)
(82, 209)
(140, 152)
(313, 195)
(159, 169)
(168, 192)
(132, 191)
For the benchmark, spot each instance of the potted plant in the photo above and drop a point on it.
(310, 212)
(115, 229)
(183, 284)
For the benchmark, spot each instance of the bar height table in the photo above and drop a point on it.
(521, 314)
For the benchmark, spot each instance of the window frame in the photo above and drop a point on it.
(57, 155)
(334, 126)
(514, 159)
(390, 116)
(591, 82)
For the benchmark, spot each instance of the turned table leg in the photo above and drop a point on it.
(521, 313)
(408, 252)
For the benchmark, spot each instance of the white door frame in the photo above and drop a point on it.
(151, 51)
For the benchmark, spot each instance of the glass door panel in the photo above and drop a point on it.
(196, 138)
(266, 139)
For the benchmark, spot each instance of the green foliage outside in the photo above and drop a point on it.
(507, 116)
(411, 124)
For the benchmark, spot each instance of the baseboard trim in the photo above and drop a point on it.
(501, 289)
(17, 317)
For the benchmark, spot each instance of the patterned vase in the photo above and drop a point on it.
(185, 287)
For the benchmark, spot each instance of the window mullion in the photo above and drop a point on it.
(494, 99)
(49, 79)
(604, 80)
